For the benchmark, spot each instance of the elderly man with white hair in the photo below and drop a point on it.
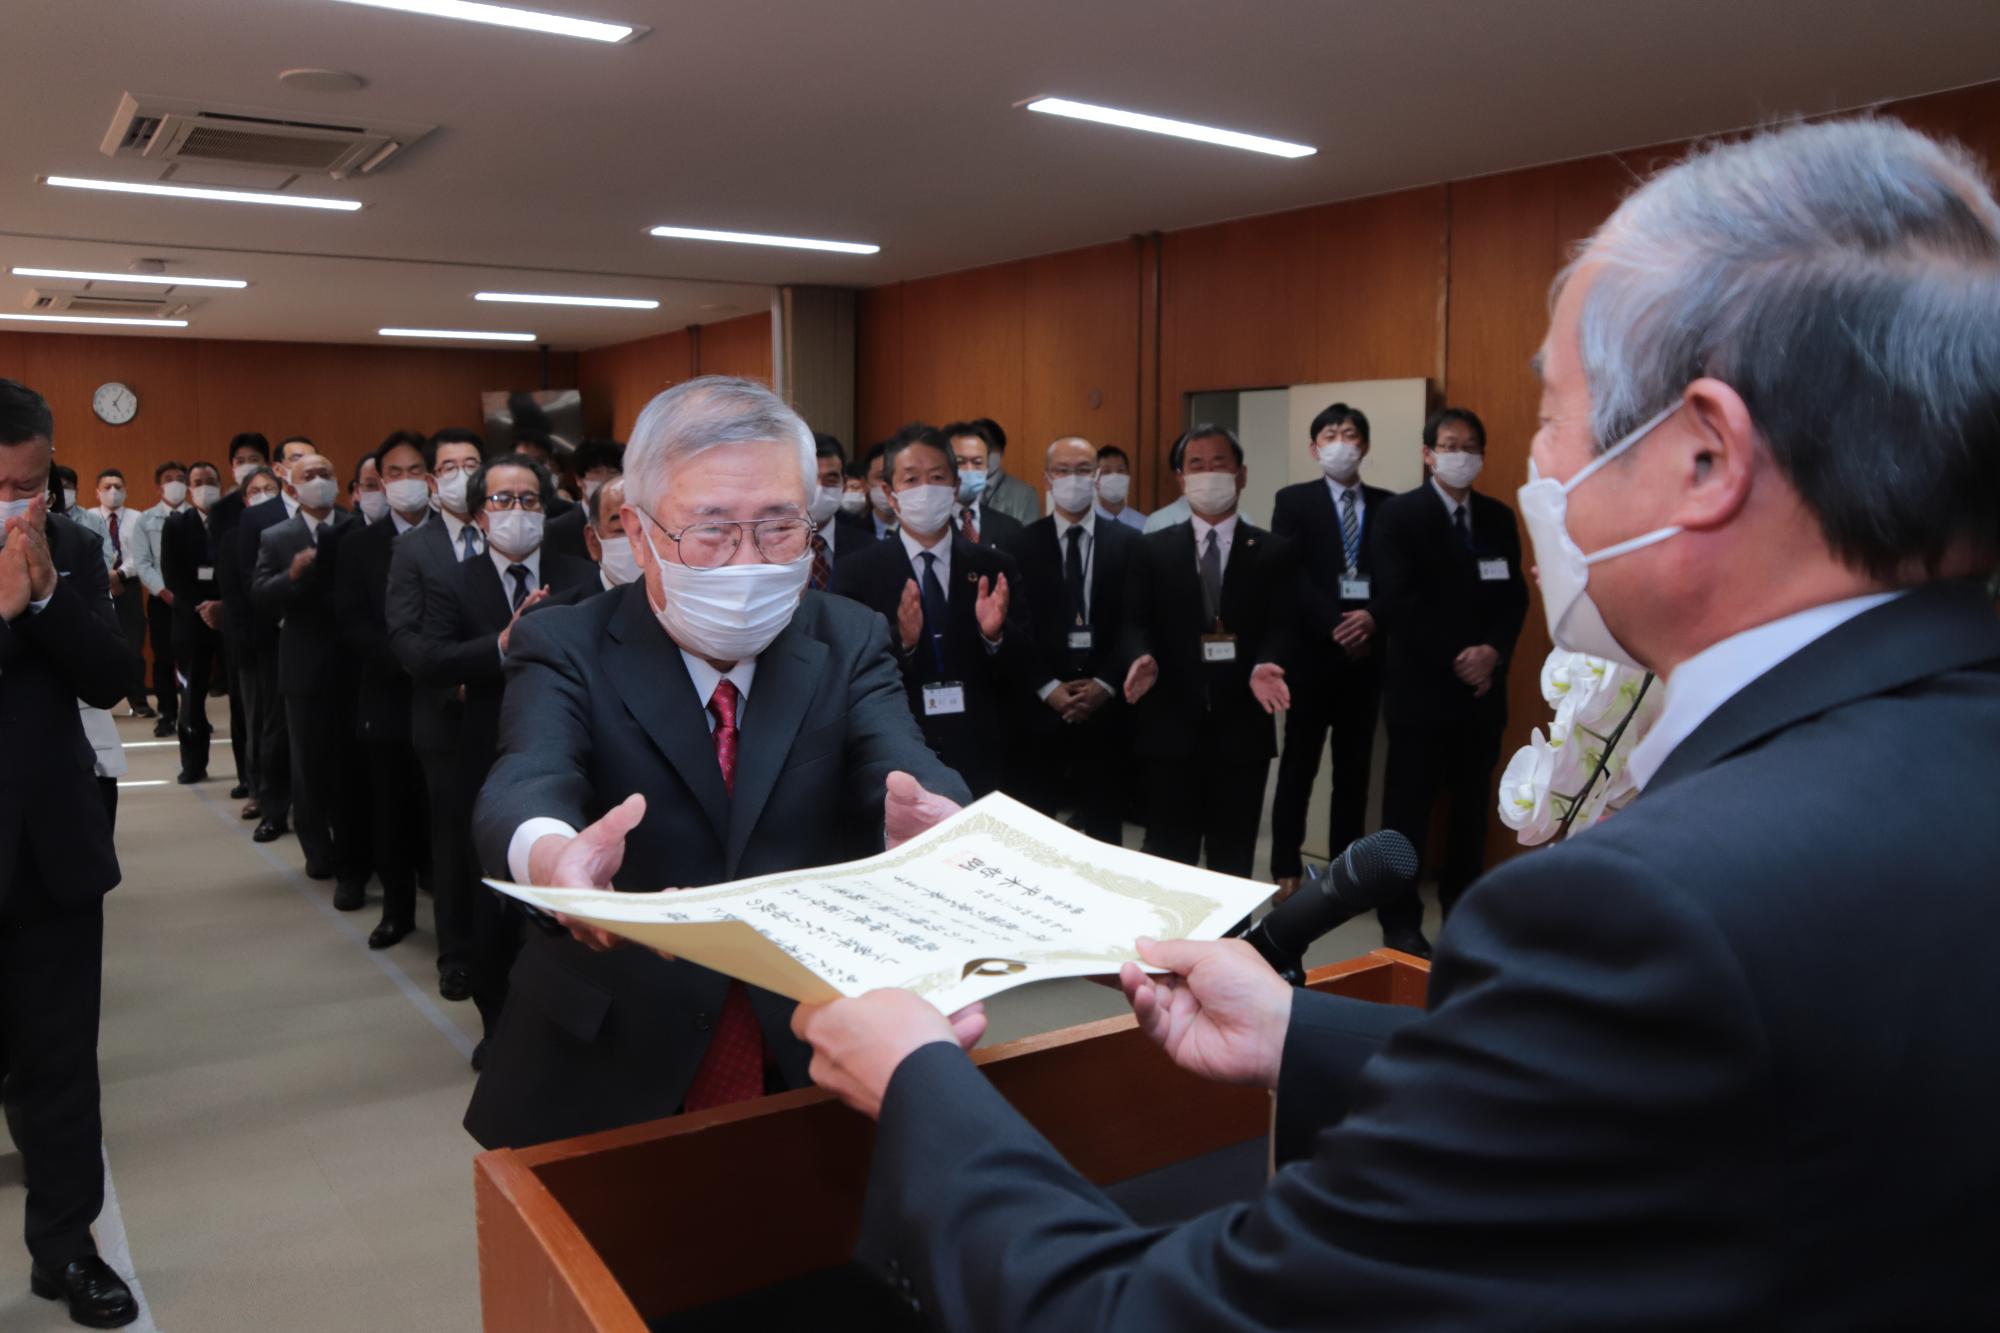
(711, 721)
(1704, 1066)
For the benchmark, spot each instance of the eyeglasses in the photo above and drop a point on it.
(527, 501)
(712, 544)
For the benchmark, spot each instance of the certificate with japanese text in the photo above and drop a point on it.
(991, 898)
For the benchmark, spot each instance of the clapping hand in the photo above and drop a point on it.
(1145, 671)
(990, 609)
(910, 615)
(1267, 683)
(528, 603)
(1219, 1012)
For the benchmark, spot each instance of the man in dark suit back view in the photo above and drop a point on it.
(713, 721)
(1698, 1067)
(954, 612)
(1210, 624)
(59, 642)
(1338, 685)
(1450, 594)
(1076, 750)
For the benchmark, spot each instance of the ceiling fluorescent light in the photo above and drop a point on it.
(1180, 129)
(753, 238)
(457, 333)
(530, 298)
(152, 279)
(100, 319)
(504, 16)
(202, 192)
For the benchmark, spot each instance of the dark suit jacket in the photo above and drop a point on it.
(55, 840)
(1305, 515)
(599, 705)
(1432, 604)
(972, 743)
(851, 534)
(1165, 617)
(1697, 1068)
(311, 656)
(188, 545)
(563, 532)
(1040, 555)
(361, 586)
(250, 530)
(424, 589)
(995, 528)
(223, 522)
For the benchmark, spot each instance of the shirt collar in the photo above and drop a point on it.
(917, 550)
(1716, 674)
(706, 678)
(1451, 506)
(1225, 531)
(402, 526)
(1340, 488)
(533, 560)
(1088, 523)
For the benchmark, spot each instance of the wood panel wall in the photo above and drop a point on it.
(1449, 282)
(195, 393)
(618, 381)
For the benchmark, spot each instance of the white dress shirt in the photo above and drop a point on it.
(1129, 516)
(942, 550)
(1087, 548)
(1451, 506)
(1716, 674)
(1225, 536)
(127, 519)
(145, 553)
(403, 525)
(533, 560)
(1337, 489)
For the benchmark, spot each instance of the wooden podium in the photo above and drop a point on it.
(676, 1223)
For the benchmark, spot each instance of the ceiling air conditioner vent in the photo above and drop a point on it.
(90, 303)
(173, 130)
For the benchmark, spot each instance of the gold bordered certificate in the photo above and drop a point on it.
(992, 898)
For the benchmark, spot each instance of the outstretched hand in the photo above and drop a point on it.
(1220, 1011)
(907, 809)
(586, 860)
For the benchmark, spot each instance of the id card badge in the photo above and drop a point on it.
(1354, 588)
(1218, 647)
(204, 573)
(944, 699)
(1493, 571)
(1079, 641)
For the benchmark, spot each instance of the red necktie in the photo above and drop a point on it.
(732, 1069)
(117, 542)
(971, 527)
(822, 570)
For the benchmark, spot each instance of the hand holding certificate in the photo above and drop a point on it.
(993, 897)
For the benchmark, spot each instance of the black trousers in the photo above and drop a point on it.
(160, 629)
(274, 746)
(1078, 768)
(396, 790)
(1205, 803)
(240, 650)
(1345, 700)
(51, 965)
(452, 861)
(197, 653)
(108, 789)
(1457, 763)
(329, 809)
(131, 608)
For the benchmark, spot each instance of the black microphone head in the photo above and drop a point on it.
(1382, 856)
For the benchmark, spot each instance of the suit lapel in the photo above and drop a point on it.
(788, 675)
(485, 596)
(646, 669)
(1931, 630)
(1245, 551)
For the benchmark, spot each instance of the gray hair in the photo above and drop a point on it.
(707, 413)
(1844, 278)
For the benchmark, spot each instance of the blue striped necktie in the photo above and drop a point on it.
(1350, 529)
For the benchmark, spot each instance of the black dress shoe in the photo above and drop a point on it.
(269, 831)
(250, 811)
(314, 870)
(187, 777)
(98, 1297)
(164, 727)
(350, 895)
(239, 793)
(456, 984)
(142, 710)
(1407, 941)
(479, 1057)
(389, 934)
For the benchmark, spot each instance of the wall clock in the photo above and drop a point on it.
(115, 403)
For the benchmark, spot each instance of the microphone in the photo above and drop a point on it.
(1370, 872)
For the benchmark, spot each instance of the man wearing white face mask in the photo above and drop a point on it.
(121, 523)
(605, 536)
(976, 517)
(836, 533)
(188, 552)
(171, 479)
(881, 509)
(273, 793)
(1114, 488)
(1450, 596)
(714, 720)
(248, 451)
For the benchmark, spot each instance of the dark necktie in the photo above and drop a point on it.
(519, 573)
(1350, 530)
(117, 542)
(1211, 577)
(1073, 575)
(822, 570)
(468, 537)
(732, 1069)
(936, 610)
(1462, 521)
(969, 526)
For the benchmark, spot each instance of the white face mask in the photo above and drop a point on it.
(1072, 494)
(206, 496)
(618, 562)
(971, 484)
(590, 485)
(243, 470)
(731, 613)
(853, 502)
(374, 504)
(1210, 492)
(69, 500)
(451, 490)
(175, 493)
(1113, 487)
(1563, 570)
(114, 498)
(1458, 470)
(265, 498)
(878, 496)
(407, 495)
(1340, 460)
(926, 509)
(317, 492)
(825, 503)
(515, 533)
(11, 509)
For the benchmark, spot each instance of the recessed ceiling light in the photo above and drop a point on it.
(472, 334)
(152, 279)
(202, 192)
(753, 238)
(530, 298)
(533, 20)
(1180, 129)
(100, 319)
